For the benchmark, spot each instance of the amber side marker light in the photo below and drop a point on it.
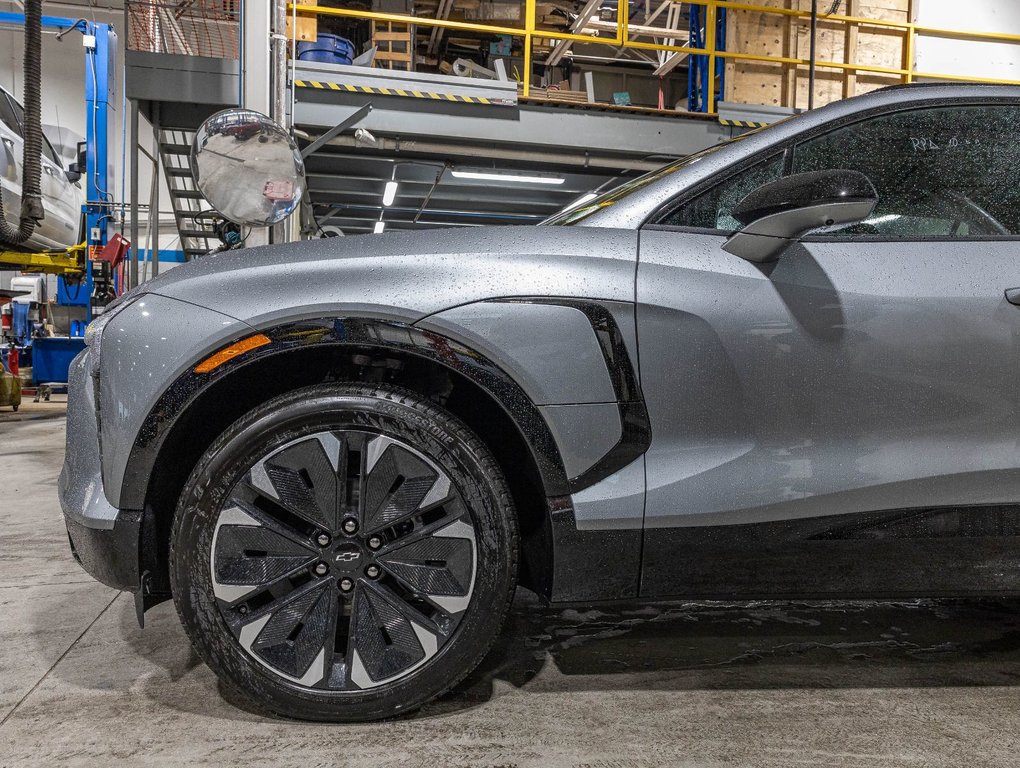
(226, 354)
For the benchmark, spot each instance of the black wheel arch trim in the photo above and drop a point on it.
(373, 334)
(354, 333)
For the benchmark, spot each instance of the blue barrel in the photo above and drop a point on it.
(328, 49)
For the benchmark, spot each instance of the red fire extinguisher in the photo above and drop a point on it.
(12, 360)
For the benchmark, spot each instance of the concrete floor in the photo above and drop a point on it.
(931, 683)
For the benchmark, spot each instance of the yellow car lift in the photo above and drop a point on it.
(61, 262)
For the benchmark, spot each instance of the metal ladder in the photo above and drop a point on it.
(197, 237)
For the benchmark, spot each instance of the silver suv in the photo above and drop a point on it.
(785, 366)
(61, 197)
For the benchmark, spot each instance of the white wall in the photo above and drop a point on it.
(943, 55)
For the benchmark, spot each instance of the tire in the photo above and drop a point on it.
(271, 503)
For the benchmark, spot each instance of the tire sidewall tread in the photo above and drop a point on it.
(389, 410)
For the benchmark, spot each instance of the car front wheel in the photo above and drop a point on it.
(344, 552)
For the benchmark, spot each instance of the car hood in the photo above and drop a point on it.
(405, 275)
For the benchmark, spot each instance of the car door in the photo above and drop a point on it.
(842, 420)
(59, 226)
(61, 199)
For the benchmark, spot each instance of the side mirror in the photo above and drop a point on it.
(780, 212)
(77, 169)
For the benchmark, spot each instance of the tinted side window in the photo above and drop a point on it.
(712, 209)
(50, 153)
(944, 172)
(7, 114)
(19, 112)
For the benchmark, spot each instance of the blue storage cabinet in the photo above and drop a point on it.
(51, 358)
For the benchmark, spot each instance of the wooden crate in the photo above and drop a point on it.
(394, 45)
(307, 24)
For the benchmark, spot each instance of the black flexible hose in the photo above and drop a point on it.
(31, 193)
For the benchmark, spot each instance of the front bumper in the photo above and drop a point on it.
(104, 540)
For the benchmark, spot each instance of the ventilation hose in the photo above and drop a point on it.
(31, 193)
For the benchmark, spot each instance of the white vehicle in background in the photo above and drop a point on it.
(61, 189)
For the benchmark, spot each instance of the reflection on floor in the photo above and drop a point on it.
(933, 683)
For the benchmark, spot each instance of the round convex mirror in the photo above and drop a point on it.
(247, 167)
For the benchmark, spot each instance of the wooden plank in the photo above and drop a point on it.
(394, 42)
(790, 50)
(392, 56)
(307, 24)
(853, 8)
(761, 34)
(554, 95)
(787, 85)
(830, 47)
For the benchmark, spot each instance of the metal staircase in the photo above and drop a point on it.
(197, 236)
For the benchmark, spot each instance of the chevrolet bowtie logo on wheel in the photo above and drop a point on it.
(348, 557)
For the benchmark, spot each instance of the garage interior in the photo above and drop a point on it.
(413, 115)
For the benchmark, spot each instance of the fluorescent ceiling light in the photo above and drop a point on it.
(379, 227)
(517, 178)
(389, 193)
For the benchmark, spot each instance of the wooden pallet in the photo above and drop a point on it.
(393, 44)
(562, 96)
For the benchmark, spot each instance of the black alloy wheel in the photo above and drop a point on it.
(341, 552)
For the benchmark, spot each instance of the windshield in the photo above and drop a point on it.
(576, 213)
(573, 215)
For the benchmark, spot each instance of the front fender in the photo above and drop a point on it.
(404, 275)
(573, 358)
(356, 334)
(150, 342)
(599, 470)
(560, 368)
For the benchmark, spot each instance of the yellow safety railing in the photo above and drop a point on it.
(530, 31)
